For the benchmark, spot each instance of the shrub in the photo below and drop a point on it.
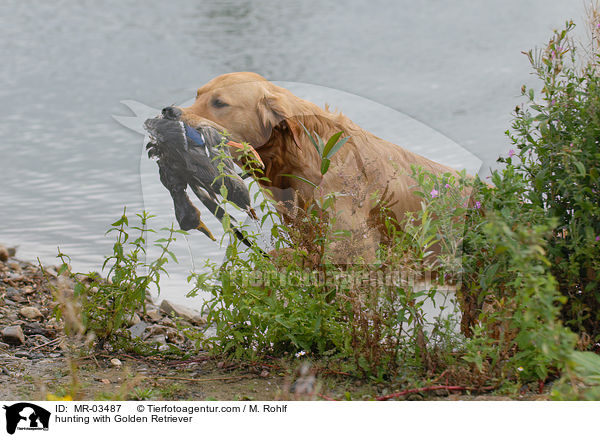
(108, 303)
(557, 137)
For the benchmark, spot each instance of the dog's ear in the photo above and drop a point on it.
(275, 113)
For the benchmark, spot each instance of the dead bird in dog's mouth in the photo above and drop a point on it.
(193, 155)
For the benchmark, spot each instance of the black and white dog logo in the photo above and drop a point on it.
(26, 416)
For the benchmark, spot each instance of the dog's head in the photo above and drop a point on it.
(246, 104)
(266, 116)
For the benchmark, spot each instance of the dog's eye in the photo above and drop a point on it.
(218, 103)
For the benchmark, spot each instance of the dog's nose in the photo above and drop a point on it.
(171, 113)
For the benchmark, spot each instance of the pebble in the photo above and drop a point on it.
(173, 336)
(16, 267)
(14, 295)
(185, 313)
(35, 328)
(22, 354)
(138, 329)
(153, 315)
(166, 321)
(158, 339)
(31, 313)
(156, 330)
(132, 320)
(3, 254)
(13, 335)
(115, 362)
(7, 301)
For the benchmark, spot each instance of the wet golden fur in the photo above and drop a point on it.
(366, 168)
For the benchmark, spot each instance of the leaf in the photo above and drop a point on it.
(312, 140)
(321, 145)
(325, 165)
(337, 147)
(330, 143)
(580, 168)
(328, 203)
(301, 178)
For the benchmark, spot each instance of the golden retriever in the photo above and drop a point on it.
(364, 171)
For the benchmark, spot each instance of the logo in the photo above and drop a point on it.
(26, 416)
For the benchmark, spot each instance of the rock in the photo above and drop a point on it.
(38, 339)
(13, 335)
(166, 321)
(158, 339)
(14, 295)
(31, 313)
(134, 319)
(156, 330)
(153, 315)
(173, 336)
(3, 254)
(115, 362)
(51, 271)
(17, 268)
(138, 329)
(7, 301)
(185, 313)
(22, 354)
(35, 328)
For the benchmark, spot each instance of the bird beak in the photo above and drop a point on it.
(202, 227)
(247, 148)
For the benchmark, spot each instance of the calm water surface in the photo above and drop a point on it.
(67, 168)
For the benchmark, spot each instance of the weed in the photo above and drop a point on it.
(106, 304)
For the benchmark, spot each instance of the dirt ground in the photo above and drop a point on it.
(200, 378)
(38, 361)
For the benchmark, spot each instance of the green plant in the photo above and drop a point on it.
(557, 136)
(358, 315)
(142, 394)
(106, 304)
(257, 308)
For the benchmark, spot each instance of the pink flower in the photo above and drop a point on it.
(434, 193)
(447, 185)
(477, 205)
(598, 25)
(511, 153)
(598, 238)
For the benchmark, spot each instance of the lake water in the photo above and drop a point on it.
(438, 78)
